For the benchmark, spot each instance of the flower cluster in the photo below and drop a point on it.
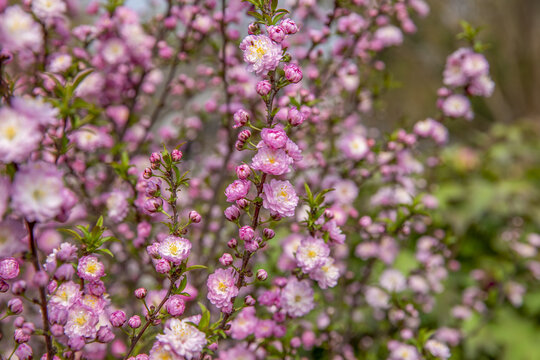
(142, 174)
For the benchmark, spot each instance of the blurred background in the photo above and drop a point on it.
(488, 186)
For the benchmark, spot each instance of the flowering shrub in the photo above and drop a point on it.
(199, 182)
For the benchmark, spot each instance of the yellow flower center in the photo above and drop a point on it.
(91, 267)
(38, 194)
(80, 320)
(222, 286)
(173, 248)
(311, 253)
(10, 132)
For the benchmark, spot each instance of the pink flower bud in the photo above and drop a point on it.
(251, 246)
(21, 336)
(246, 233)
(262, 274)
(244, 135)
(15, 305)
(263, 87)
(105, 335)
(242, 203)
(253, 28)
(155, 157)
(295, 117)
(226, 259)
(175, 305)
(289, 26)
(147, 174)
(276, 33)
(293, 73)
(9, 268)
(19, 287)
(269, 233)
(153, 204)
(176, 155)
(239, 145)
(140, 293)
(232, 243)
(195, 217)
(232, 213)
(134, 322)
(162, 266)
(4, 286)
(117, 318)
(241, 117)
(243, 171)
(250, 301)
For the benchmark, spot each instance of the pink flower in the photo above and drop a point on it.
(293, 150)
(354, 146)
(81, 322)
(19, 31)
(222, 288)
(289, 26)
(276, 33)
(241, 117)
(263, 87)
(388, 35)
(475, 65)
(237, 190)
(297, 298)
(19, 136)
(271, 161)
(437, 349)
(260, 53)
(264, 329)
(36, 110)
(279, 198)
(293, 73)
(244, 324)
(174, 249)
(456, 106)
(90, 268)
(295, 117)
(38, 191)
(327, 275)
(180, 338)
(311, 254)
(453, 74)
(275, 138)
(9, 268)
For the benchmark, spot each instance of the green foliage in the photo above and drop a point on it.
(92, 240)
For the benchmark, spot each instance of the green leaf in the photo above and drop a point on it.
(205, 318)
(182, 285)
(195, 267)
(73, 233)
(80, 77)
(105, 251)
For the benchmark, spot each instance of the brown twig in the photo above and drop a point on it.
(42, 294)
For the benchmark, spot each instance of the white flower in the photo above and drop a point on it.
(38, 191)
(18, 136)
(437, 349)
(393, 280)
(327, 275)
(48, 10)
(377, 298)
(312, 254)
(183, 339)
(297, 298)
(18, 30)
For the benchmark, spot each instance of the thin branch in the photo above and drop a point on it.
(42, 294)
